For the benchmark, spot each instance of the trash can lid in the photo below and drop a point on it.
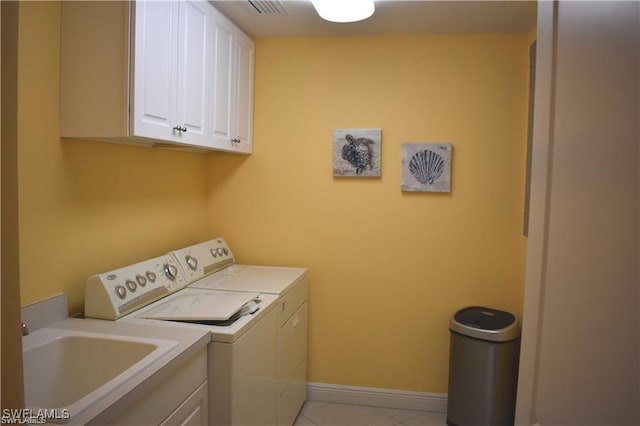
(485, 323)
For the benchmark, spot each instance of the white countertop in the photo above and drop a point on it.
(190, 341)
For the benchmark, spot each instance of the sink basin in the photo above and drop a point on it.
(66, 371)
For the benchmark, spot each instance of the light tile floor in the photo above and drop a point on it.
(316, 413)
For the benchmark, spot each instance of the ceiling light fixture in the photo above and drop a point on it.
(344, 10)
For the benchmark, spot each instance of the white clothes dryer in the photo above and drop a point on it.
(290, 285)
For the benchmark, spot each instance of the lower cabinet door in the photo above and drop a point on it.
(193, 411)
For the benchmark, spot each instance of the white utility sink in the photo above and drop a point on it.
(66, 371)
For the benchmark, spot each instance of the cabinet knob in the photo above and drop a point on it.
(180, 129)
(235, 140)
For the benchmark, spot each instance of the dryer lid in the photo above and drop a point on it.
(263, 279)
(200, 306)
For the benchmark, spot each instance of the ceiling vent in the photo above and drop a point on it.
(268, 7)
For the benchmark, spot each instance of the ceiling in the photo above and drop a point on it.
(286, 18)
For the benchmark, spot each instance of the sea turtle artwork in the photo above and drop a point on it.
(356, 152)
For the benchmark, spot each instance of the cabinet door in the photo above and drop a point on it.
(223, 82)
(154, 73)
(244, 92)
(192, 71)
(193, 411)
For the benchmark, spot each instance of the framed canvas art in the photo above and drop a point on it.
(426, 167)
(356, 152)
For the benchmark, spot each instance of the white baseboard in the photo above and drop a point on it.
(389, 398)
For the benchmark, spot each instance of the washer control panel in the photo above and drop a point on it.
(204, 258)
(113, 294)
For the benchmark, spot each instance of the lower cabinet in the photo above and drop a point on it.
(181, 398)
(193, 410)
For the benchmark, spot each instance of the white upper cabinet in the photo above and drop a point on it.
(244, 92)
(154, 69)
(155, 73)
(222, 76)
(193, 69)
(170, 71)
(232, 65)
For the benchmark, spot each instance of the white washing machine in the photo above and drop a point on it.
(241, 358)
(244, 327)
(290, 285)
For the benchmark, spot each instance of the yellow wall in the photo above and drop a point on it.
(387, 268)
(87, 207)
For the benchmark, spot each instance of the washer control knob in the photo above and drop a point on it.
(151, 276)
(225, 251)
(141, 280)
(214, 253)
(131, 285)
(121, 291)
(192, 262)
(170, 271)
(220, 251)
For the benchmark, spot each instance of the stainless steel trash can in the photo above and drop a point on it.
(483, 367)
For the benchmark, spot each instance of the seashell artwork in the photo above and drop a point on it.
(356, 152)
(426, 167)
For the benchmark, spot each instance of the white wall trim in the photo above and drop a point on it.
(377, 397)
(542, 151)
